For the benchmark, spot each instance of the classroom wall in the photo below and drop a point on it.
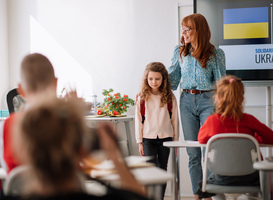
(98, 44)
(4, 80)
(111, 41)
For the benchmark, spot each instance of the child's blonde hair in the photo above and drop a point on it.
(165, 87)
(229, 97)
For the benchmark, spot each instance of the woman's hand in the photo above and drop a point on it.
(140, 149)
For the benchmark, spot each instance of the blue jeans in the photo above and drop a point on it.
(194, 110)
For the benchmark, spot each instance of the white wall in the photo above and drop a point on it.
(18, 31)
(109, 41)
(112, 41)
(3, 53)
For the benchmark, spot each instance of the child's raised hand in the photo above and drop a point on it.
(70, 93)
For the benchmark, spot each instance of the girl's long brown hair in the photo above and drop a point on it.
(165, 88)
(229, 97)
(200, 48)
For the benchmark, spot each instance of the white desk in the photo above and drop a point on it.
(115, 120)
(266, 169)
(146, 173)
(150, 177)
(175, 161)
(145, 176)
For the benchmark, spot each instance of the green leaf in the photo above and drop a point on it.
(114, 103)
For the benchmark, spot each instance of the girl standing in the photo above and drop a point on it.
(197, 64)
(156, 115)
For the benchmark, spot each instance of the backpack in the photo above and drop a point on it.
(142, 109)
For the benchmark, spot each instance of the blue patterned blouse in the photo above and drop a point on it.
(193, 76)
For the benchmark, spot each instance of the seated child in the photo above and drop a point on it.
(230, 118)
(49, 138)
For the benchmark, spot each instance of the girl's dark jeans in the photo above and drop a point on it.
(159, 153)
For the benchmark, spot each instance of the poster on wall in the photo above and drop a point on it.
(245, 34)
(243, 29)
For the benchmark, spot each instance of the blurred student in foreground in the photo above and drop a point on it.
(37, 80)
(49, 138)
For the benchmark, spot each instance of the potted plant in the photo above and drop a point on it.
(114, 104)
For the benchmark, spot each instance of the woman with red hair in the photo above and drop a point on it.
(197, 64)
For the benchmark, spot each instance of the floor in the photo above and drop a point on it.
(181, 198)
(192, 198)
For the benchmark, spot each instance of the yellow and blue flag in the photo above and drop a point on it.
(245, 23)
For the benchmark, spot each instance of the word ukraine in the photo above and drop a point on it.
(264, 55)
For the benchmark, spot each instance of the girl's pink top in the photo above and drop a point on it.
(157, 120)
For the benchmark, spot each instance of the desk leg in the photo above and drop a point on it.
(129, 139)
(267, 182)
(175, 170)
(154, 192)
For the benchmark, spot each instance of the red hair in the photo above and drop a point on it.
(201, 47)
(229, 97)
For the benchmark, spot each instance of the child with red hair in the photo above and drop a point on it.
(230, 118)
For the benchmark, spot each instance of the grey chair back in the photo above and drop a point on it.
(19, 177)
(231, 154)
(16, 180)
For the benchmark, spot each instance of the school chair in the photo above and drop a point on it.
(15, 181)
(18, 178)
(14, 100)
(231, 154)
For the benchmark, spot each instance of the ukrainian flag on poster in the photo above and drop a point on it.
(246, 23)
